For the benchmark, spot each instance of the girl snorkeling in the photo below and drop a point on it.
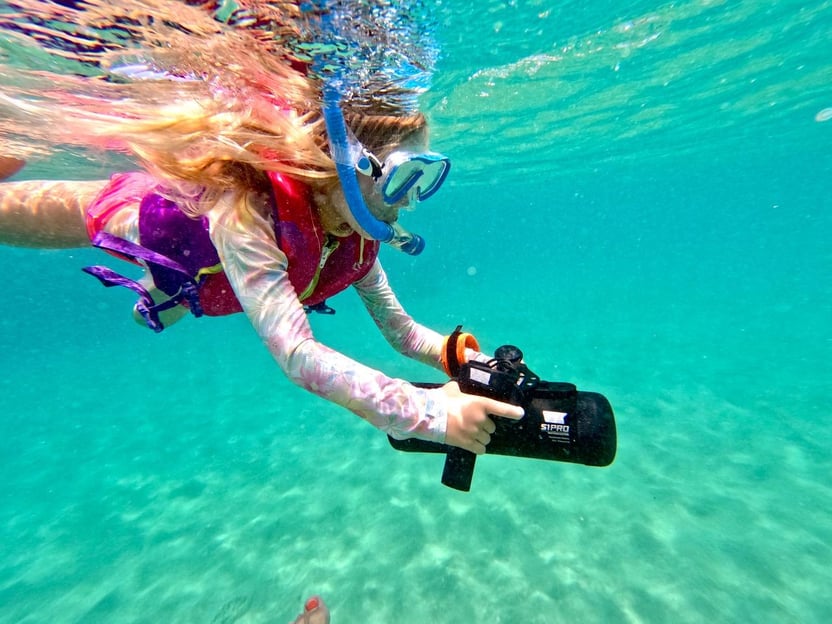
(262, 189)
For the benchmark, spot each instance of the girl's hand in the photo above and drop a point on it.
(469, 425)
(10, 166)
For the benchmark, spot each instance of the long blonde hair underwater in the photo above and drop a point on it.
(220, 99)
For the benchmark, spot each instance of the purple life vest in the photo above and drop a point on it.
(185, 266)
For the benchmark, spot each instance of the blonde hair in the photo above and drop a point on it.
(227, 104)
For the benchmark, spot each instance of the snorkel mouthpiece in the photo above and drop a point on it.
(346, 154)
(408, 242)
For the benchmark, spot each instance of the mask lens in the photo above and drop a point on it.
(423, 173)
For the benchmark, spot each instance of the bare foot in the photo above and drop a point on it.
(314, 612)
(10, 166)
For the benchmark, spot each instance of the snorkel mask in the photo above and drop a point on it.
(403, 174)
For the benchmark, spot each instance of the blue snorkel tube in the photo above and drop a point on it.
(345, 157)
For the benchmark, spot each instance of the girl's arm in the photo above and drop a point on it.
(257, 270)
(400, 330)
(46, 214)
(398, 327)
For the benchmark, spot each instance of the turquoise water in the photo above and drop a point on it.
(640, 200)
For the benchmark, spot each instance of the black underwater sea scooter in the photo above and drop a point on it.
(560, 424)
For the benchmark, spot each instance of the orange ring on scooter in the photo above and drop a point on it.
(453, 350)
